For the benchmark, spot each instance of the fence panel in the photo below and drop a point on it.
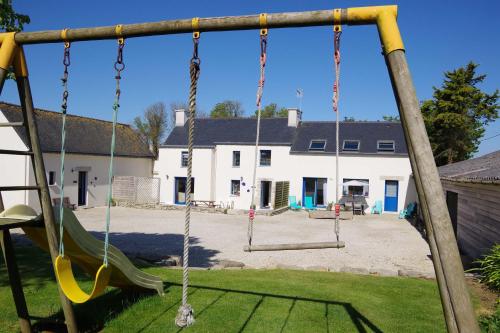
(139, 190)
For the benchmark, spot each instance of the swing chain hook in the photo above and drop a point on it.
(119, 67)
(64, 79)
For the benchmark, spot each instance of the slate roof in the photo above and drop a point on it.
(483, 169)
(275, 131)
(367, 132)
(83, 135)
(209, 132)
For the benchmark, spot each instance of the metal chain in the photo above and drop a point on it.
(260, 91)
(64, 108)
(335, 102)
(119, 67)
(185, 315)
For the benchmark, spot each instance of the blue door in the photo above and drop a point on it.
(180, 190)
(391, 196)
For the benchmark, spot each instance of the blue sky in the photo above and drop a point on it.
(438, 36)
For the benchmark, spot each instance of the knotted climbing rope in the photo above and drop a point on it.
(64, 109)
(335, 104)
(260, 91)
(185, 314)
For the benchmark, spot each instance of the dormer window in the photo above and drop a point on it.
(385, 145)
(317, 145)
(350, 145)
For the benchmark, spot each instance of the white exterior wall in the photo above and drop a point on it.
(96, 167)
(13, 169)
(17, 171)
(168, 166)
(213, 172)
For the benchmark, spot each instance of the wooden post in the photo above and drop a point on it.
(41, 179)
(459, 312)
(14, 278)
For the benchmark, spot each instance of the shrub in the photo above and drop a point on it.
(491, 323)
(489, 268)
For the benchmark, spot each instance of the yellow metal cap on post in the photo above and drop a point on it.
(7, 49)
(20, 67)
(386, 19)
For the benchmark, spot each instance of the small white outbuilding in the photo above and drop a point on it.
(87, 156)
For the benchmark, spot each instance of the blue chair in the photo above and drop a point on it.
(377, 209)
(293, 203)
(308, 203)
(408, 211)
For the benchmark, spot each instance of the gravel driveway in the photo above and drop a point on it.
(381, 244)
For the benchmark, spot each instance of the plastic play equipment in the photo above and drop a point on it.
(455, 299)
(308, 202)
(84, 250)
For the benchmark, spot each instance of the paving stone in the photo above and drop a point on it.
(355, 270)
(383, 272)
(294, 267)
(230, 263)
(317, 268)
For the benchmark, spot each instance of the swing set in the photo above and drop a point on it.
(109, 266)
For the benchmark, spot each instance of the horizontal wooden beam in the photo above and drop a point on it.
(349, 16)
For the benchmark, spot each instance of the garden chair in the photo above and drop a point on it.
(357, 207)
(377, 208)
(408, 211)
(293, 203)
(308, 203)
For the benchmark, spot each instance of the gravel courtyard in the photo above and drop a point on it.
(382, 244)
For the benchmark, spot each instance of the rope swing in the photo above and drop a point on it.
(260, 91)
(185, 314)
(251, 214)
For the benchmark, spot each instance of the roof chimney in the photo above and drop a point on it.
(180, 117)
(294, 117)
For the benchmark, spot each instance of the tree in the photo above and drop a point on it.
(9, 19)
(227, 109)
(391, 118)
(153, 125)
(349, 119)
(456, 116)
(272, 110)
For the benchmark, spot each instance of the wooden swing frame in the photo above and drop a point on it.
(457, 307)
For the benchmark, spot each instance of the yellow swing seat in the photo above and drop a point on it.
(70, 287)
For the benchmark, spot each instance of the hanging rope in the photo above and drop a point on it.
(260, 90)
(185, 314)
(119, 67)
(335, 101)
(64, 108)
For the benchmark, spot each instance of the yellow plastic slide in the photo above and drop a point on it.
(85, 250)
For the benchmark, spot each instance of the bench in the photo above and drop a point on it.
(66, 203)
(205, 203)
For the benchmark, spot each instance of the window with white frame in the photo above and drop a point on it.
(385, 145)
(265, 158)
(236, 158)
(235, 187)
(184, 159)
(52, 177)
(351, 186)
(350, 145)
(317, 145)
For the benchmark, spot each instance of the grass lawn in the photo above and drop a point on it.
(238, 301)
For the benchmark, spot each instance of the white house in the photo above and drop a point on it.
(87, 157)
(373, 158)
